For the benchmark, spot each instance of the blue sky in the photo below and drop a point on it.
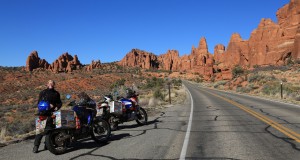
(108, 29)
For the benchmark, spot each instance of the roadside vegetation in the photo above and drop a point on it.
(265, 81)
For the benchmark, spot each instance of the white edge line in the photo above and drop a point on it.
(188, 131)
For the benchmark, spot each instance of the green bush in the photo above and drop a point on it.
(158, 94)
(237, 71)
(119, 82)
(252, 86)
(154, 83)
(199, 80)
(243, 89)
(177, 82)
(271, 88)
(19, 127)
(283, 79)
(255, 78)
(258, 77)
(220, 83)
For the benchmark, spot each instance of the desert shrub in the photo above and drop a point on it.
(256, 66)
(255, 78)
(237, 71)
(158, 94)
(270, 78)
(297, 61)
(297, 98)
(290, 89)
(271, 68)
(220, 83)
(243, 89)
(271, 88)
(19, 127)
(154, 83)
(177, 82)
(283, 79)
(199, 80)
(252, 86)
(119, 82)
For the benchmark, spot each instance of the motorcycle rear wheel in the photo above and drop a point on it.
(142, 117)
(56, 142)
(101, 131)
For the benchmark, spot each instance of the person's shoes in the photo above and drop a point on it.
(35, 149)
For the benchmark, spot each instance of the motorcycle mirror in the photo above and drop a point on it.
(68, 96)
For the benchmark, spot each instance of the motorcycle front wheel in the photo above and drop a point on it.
(101, 131)
(113, 123)
(56, 142)
(142, 117)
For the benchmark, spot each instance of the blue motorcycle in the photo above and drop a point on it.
(79, 123)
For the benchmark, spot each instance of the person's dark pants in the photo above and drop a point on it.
(49, 126)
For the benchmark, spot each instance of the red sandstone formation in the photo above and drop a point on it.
(94, 65)
(66, 63)
(33, 62)
(169, 61)
(296, 51)
(139, 58)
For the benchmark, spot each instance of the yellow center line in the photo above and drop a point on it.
(288, 132)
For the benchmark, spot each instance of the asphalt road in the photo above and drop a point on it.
(232, 126)
(221, 126)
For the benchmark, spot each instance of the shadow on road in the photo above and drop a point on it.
(136, 125)
(90, 144)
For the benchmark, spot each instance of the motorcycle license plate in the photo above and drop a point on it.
(99, 111)
(40, 125)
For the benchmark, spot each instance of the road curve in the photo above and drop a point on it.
(233, 126)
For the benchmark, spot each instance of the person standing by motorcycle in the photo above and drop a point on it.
(49, 97)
